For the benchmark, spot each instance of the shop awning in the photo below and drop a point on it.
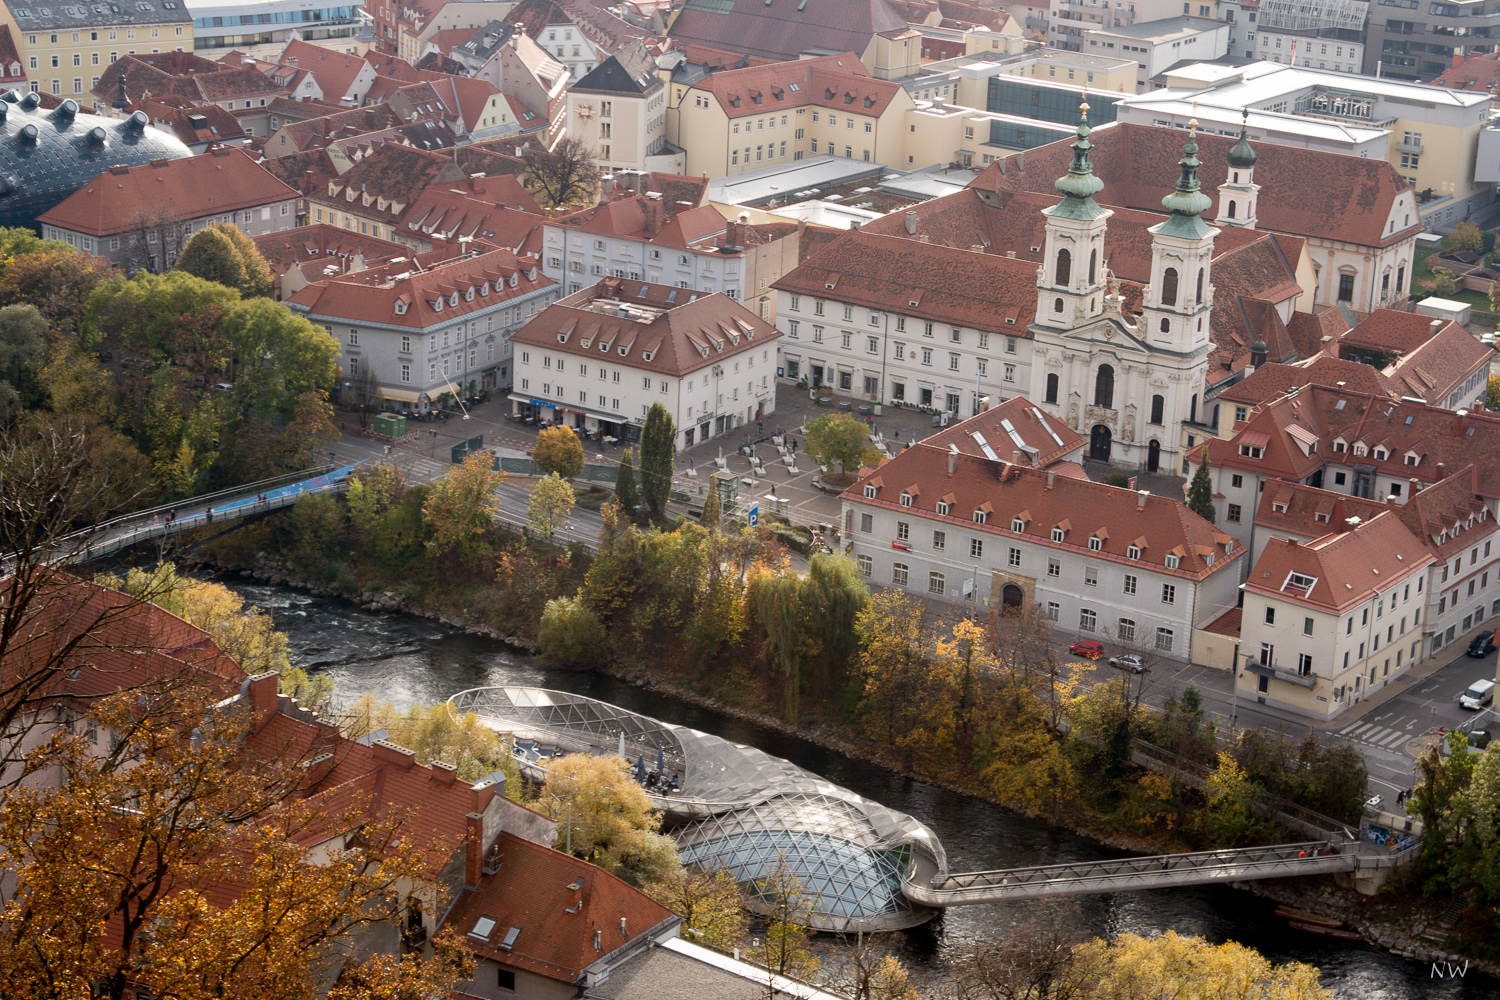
(401, 395)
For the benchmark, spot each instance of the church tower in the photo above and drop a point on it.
(1175, 311)
(1238, 193)
(1070, 280)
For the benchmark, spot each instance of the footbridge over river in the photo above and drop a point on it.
(250, 500)
(861, 865)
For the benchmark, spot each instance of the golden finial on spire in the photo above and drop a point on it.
(1083, 105)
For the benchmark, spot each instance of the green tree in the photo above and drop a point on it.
(76, 382)
(18, 241)
(1200, 498)
(710, 904)
(571, 635)
(437, 734)
(608, 817)
(58, 281)
(139, 313)
(558, 450)
(461, 507)
(23, 356)
(1179, 967)
(627, 490)
(658, 458)
(1466, 238)
(713, 511)
(782, 897)
(282, 355)
(836, 437)
(223, 253)
(551, 502)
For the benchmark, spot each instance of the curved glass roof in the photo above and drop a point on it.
(47, 155)
(741, 809)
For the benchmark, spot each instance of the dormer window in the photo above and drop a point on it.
(1279, 508)
(515, 279)
(981, 516)
(1058, 534)
(604, 345)
(1340, 446)
(1017, 525)
(1133, 552)
(624, 350)
(1095, 543)
(469, 294)
(1249, 451)
(1360, 450)
(942, 508)
(905, 499)
(484, 289)
(453, 299)
(400, 307)
(1172, 561)
(437, 305)
(646, 356)
(562, 338)
(1380, 454)
(869, 493)
(1412, 458)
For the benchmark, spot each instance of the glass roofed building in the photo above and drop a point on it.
(47, 155)
(735, 807)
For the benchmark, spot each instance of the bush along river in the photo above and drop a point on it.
(407, 659)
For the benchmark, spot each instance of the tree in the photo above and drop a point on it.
(710, 904)
(76, 382)
(1200, 498)
(1466, 238)
(608, 818)
(1442, 282)
(559, 451)
(570, 634)
(561, 176)
(836, 437)
(627, 490)
(1173, 966)
(223, 253)
(782, 897)
(713, 511)
(140, 313)
(1035, 961)
(550, 503)
(23, 356)
(437, 734)
(658, 458)
(58, 281)
(462, 506)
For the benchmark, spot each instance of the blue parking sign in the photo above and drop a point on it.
(753, 517)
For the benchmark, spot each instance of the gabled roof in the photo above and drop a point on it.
(1014, 431)
(595, 24)
(1449, 516)
(1443, 365)
(1310, 512)
(1478, 71)
(203, 123)
(289, 247)
(656, 328)
(496, 209)
(1304, 192)
(1347, 567)
(336, 72)
(198, 79)
(649, 220)
(393, 173)
(1318, 330)
(838, 82)
(629, 71)
(1393, 332)
(941, 284)
(9, 57)
(1272, 381)
(218, 182)
(550, 913)
(1120, 518)
(783, 29)
(313, 133)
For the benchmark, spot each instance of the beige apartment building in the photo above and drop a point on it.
(65, 49)
(762, 116)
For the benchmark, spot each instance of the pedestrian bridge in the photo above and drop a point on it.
(1162, 871)
(108, 537)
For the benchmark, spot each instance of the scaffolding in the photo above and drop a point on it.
(1314, 15)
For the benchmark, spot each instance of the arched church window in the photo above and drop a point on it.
(1231, 209)
(1200, 286)
(1169, 287)
(1104, 387)
(1166, 325)
(1064, 267)
(1093, 265)
(1236, 179)
(1057, 305)
(1193, 410)
(1052, 388)
(1158, 407)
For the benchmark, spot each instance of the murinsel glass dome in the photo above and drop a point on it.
(738, 808)
(47, 155)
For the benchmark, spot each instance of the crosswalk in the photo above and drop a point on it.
(1368, 732)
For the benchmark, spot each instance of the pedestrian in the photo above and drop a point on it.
(210, 513)
(759, 427)
(1400, 797)
(1164, 862)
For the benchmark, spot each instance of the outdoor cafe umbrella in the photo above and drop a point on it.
(659, 768)
(640, 767)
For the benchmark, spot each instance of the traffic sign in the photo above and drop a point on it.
(753, 517)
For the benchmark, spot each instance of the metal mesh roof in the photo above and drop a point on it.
(742, 809)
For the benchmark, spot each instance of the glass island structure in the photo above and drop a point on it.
(736, 808)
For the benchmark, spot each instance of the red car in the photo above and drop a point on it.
(1087, 647)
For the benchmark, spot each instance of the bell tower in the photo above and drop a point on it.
(1070, 281)
(1239, 192)
(1175, 310)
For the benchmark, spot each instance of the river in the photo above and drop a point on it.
(405, 659)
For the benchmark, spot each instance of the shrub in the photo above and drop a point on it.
(793, 538)
(571, 635)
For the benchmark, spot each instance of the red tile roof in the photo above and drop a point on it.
(194, 77)
(651, 220)
(1014, 426)
(1158, 526)
(783, 29)
(928, 282)
(1318, 330)
(214, 183)
(1480, 71)
(658, 328)
(1304, 192)
(1348, 566)
(12, 70)
(497, 209)
(838, 82)
(321, 242)
(308, 171)
(1310, 512)
(1272, 381)
(393, 173)
(336, 72)
(372, 295)
(1443, 365)
(557, 925)
(1392, 332)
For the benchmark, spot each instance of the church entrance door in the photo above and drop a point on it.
(1099, 443)
(1153, 456)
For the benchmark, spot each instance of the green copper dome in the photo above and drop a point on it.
(1187, 202)
(1079, 185)
(1241, 154)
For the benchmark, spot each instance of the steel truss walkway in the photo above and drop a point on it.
(1156, 872)
(110, 536)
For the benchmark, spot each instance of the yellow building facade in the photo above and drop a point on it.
(64, 54)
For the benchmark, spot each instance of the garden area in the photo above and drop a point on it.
(1442, 270)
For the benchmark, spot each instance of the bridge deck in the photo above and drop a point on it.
(1158, 871)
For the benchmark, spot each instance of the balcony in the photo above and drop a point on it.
(1409, 147)
(1275, 672)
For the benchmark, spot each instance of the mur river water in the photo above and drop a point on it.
(406, 659)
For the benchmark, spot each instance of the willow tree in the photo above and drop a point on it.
(809, 622)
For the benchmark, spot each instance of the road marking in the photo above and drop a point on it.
(1345, 730)
(1393, 740)
(1382, 718)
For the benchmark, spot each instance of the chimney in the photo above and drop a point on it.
(606, 188)
(1051, 478)
(802, 231)
(391, 753)
(1416, 485)
(473, 849)
(652, 209)
(1435, 326)
(911, 223)
(1140, 501)
(1458, 58)
(952, 459)
(439, 241)
(1015, 458)
(1010, 254)
(263, 696)
(853, 225)
(443, 774)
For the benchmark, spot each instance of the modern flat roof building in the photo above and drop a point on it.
(222, 24)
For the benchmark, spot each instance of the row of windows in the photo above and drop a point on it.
(1125, 628)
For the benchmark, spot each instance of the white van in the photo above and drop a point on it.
(1480, 694)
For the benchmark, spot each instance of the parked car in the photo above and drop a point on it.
(1479, 695)
(1091, 648)
(1482, 644)
(1129, 662)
